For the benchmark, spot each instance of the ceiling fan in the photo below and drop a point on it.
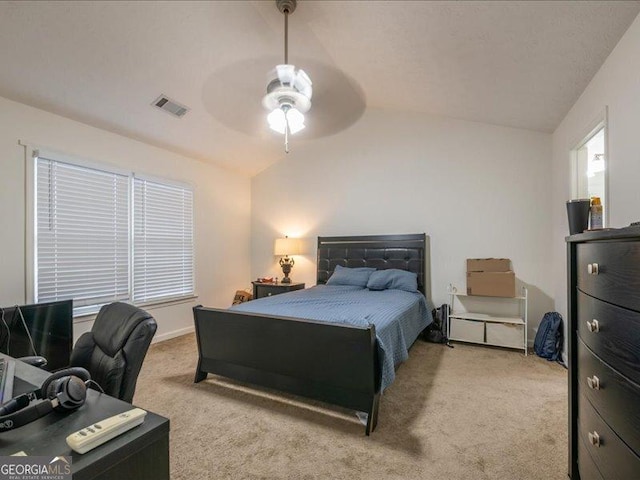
(235, 95)
(290, 89)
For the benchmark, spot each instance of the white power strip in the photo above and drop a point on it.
(95, 435)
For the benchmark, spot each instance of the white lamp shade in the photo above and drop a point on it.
(287, 246)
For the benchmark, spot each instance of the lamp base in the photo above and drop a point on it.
(286, 263)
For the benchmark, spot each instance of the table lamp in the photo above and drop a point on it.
(283, 248)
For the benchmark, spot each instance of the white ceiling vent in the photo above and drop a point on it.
(174, 108)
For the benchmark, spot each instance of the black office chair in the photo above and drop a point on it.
(114, 349)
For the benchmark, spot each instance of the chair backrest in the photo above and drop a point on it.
(115, 348)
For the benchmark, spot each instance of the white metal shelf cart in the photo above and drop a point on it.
(488, 328)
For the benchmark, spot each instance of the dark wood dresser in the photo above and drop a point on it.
(604, 354)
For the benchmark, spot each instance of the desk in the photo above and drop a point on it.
(141, 453)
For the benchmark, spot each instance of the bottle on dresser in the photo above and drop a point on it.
(595, 214)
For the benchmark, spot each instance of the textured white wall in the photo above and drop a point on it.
(616, 87)
(221, 204)
(477, 190)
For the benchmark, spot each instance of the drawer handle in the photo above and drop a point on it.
(593, 326)
(594, 438)
(593, 382)
(592, 268)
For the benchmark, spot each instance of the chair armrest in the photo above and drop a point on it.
(35, 361)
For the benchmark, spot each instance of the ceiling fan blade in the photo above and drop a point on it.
(286, 74)
(303, 84)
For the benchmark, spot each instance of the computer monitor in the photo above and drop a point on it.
(50, 327)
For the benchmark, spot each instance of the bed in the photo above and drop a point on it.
(319, 348)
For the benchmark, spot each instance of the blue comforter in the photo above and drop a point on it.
(399, 316)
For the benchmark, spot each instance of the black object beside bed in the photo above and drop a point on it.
(333, 363)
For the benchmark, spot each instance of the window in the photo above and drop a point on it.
(103, 236)
(82, 225)
(162, 241)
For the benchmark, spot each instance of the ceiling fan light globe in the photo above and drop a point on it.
(295, 119)
(277, 120)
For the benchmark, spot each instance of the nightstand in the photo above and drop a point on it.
(261, 290)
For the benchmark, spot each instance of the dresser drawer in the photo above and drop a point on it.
(616, 399)
(612, 457)
(615, 272)
(269, 290)
(616, 336)
(586, 465)
(261, 290)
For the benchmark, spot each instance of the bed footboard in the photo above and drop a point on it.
(333, 363)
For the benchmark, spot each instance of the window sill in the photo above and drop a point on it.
(168, 301)
(165, 302)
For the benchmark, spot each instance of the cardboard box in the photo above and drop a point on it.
(491, 284)
(488, 265)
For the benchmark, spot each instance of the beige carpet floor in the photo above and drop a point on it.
(469, 412)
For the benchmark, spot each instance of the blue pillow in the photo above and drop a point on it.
(393, 279)
(350, 276)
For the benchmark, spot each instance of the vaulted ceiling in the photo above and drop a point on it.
(519, 64)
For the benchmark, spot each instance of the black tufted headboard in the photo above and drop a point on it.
(405, 252)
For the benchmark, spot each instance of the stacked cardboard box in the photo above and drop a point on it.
(491, 277)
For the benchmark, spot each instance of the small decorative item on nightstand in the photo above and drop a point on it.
(284, 247)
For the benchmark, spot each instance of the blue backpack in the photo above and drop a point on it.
(550, 338)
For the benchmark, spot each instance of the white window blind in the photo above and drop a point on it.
(81, 234)
(162, 241)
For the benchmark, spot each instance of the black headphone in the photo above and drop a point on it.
(62, 391)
